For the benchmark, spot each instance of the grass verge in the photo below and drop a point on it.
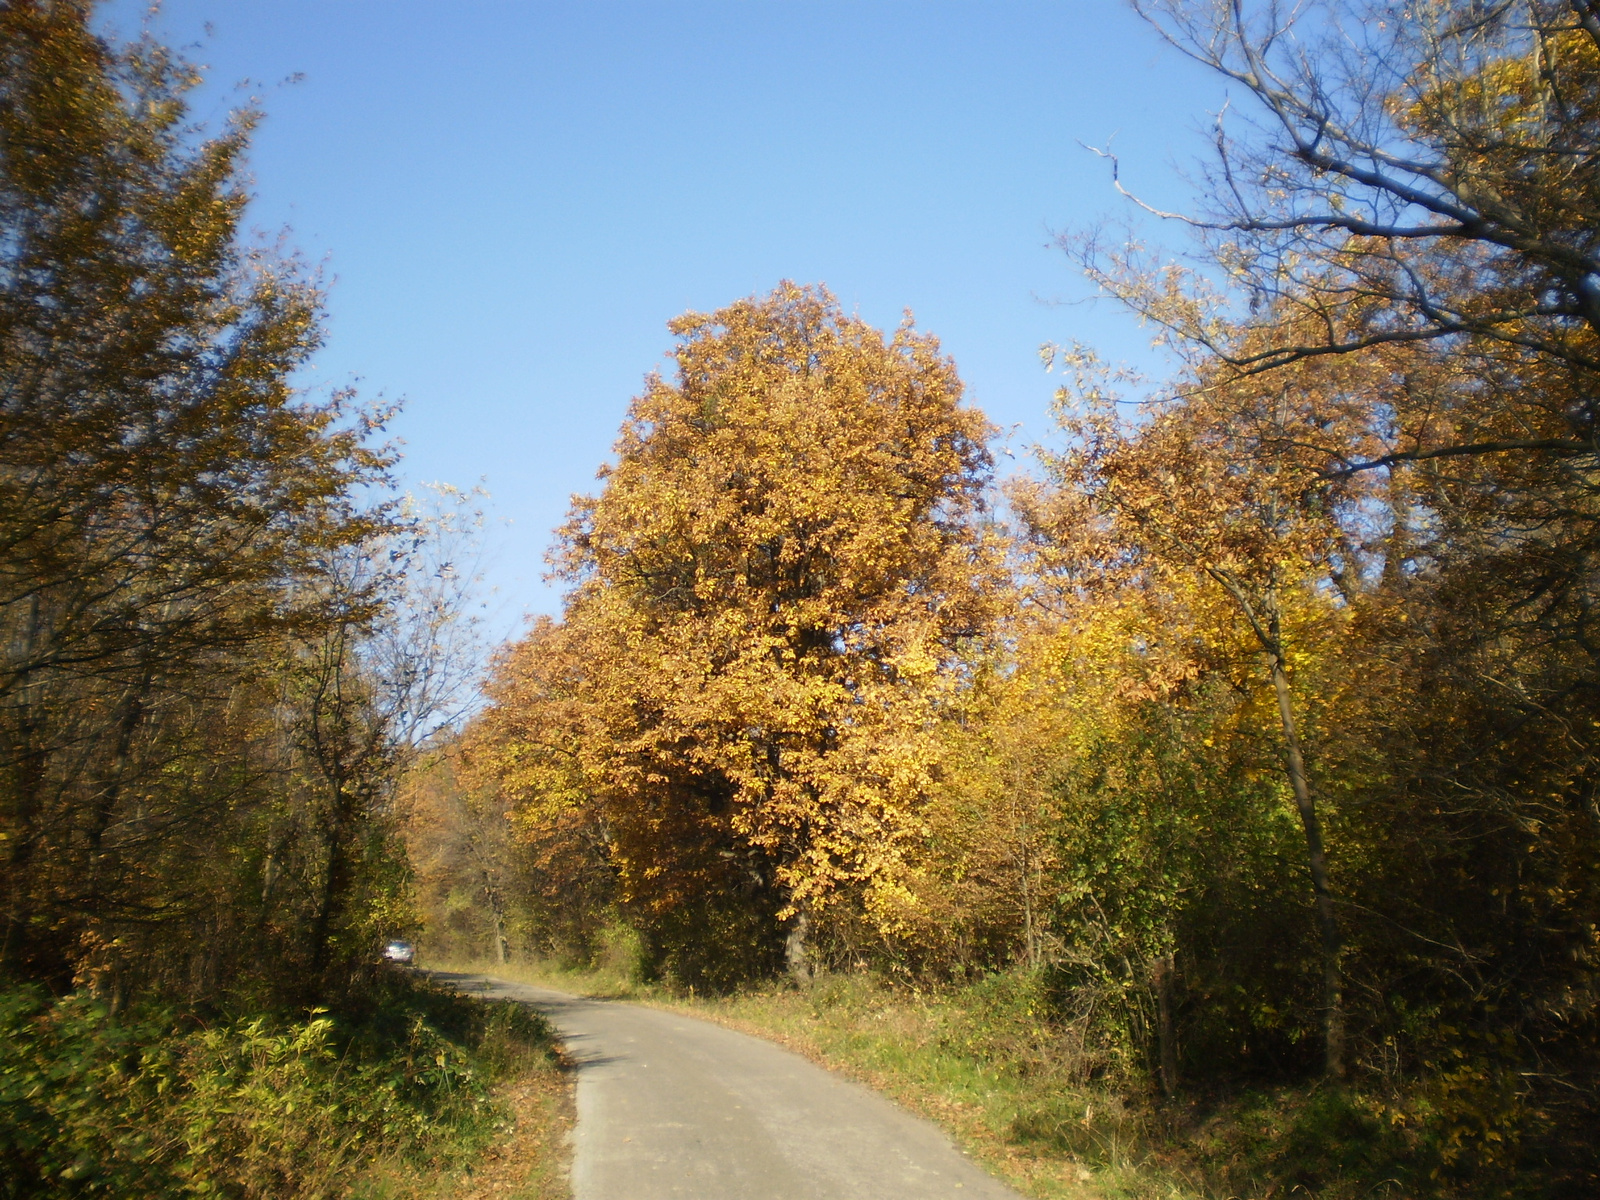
(526, 1159)
(984, 1060)
(969, 1059)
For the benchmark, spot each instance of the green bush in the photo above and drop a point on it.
(160, 1104)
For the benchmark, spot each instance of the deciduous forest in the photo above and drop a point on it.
(225, 635)
(1246, 734)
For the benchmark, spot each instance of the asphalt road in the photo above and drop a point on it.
(671, 1106)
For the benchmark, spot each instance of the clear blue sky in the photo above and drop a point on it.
(511, 199)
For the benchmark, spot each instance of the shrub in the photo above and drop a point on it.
(160, 1104)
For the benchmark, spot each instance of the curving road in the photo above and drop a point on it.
(671, 1106)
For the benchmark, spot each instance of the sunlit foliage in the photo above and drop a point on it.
(769, 594)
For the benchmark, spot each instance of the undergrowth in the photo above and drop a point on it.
(156, 1102)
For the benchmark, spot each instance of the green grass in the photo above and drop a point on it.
(974, 1059)
(527, 1158)
(986, 1060)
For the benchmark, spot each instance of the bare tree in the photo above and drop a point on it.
(1403, 173)
(393, 663)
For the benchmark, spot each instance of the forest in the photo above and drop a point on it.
(225, 634)
(1250, 722)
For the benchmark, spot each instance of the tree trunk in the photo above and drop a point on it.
(336, 881)
(796, 950)
(1162, 972)
(25, 764)
(1270, 638)
(269, 880)
(1397, 546)
(1030, 932)
(1327, 921)
(497, 916)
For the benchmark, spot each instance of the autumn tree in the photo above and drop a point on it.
(1410, 176)
(1405, 196)
(1182, 491)
(525, 754)
(461, 852)
(982, 890)
(768, 592)
(188, 587)
(1183, 935)
(390, 662)
(1388, 335)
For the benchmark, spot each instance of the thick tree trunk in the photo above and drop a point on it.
(797, 949)
(269, 881)
(104, 808)
(497, 917)
(336, 881)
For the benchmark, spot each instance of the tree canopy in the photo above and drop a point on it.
(199, 564)
(769, 594)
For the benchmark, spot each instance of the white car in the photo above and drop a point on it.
(399, 951)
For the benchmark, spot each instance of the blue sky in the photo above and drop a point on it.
(511, 199)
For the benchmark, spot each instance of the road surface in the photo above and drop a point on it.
(670, 1106)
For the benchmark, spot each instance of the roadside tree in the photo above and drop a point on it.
(768, 595)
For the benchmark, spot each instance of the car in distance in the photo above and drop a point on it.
(399, 951)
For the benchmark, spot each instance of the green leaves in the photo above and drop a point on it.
(154, 1105)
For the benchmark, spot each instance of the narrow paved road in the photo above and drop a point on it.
(671, 1106)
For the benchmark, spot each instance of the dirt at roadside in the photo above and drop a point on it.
(532, 1158)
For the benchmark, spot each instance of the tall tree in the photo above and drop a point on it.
(1180, 491)
(1410, 201)
(767, 594)
(164, 492)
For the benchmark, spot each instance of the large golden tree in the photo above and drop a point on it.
(768, 592)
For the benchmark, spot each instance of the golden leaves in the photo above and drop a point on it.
(766, 595)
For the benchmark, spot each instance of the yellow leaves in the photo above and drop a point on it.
(1507, 103)
(916, 663)
(768, 593)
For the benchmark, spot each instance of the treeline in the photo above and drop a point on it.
(1260, 719)
(222, 637)
(211, 596)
